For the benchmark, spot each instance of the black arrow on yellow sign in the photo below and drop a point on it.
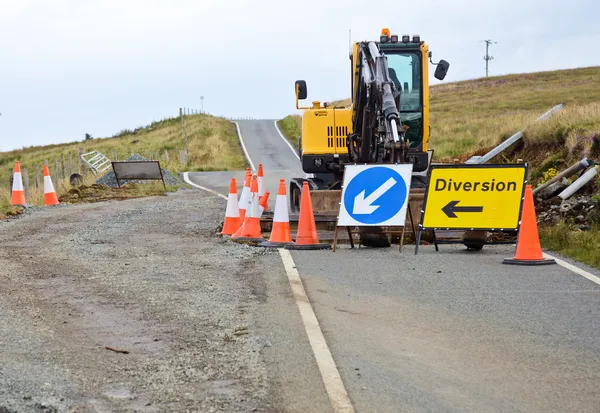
(451, 209)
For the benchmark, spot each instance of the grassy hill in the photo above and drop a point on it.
(213, 145)
(471, 117)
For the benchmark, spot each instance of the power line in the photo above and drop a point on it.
(487, 56)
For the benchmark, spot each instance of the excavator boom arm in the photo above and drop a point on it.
(375, 113)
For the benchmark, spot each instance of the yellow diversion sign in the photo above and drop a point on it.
(466, 196)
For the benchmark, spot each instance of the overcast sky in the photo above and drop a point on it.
(70, 67)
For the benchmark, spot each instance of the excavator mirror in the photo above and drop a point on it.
(301, 89)
(441, 70)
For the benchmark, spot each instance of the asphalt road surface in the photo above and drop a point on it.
(446, 331)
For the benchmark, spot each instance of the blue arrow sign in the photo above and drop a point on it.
(375, 195)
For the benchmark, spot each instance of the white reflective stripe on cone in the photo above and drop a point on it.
(233, 210)
(244, 198)
(48, 187)
(17, 182)
(261, 186)
(254, 206)
(248, 204)
(281, 209)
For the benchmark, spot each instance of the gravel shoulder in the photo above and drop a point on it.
(138, 306)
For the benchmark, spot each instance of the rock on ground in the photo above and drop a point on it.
(583, 210)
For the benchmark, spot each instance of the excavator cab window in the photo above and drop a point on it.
(405, 71)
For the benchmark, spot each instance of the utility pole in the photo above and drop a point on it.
(487, 56)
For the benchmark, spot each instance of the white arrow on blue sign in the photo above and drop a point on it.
(375, 195)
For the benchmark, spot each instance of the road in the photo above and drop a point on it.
(446, 331)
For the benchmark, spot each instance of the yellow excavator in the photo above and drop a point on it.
(386, 122)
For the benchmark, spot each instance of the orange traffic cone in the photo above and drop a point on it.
(306, 237)
(261, 183)
(245, 195)
(250, 230)
(264, 203)
(529, 250)
(18, 193)
(232, 213)
(261, 208)
(280, 233)
(50, 197)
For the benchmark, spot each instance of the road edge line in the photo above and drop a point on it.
(338, 396)
(186, 178)
(573, 268)
(285, 140)
(239, 133)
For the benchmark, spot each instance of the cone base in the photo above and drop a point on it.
(308, 247)
(248, 239)
(514, 261)
(269, 244)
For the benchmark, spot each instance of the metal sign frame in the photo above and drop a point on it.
(525, 166)
(145, 178)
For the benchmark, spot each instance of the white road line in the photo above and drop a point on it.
(186, 178)
(286, 141)
(244, 147)
(575, 269)
(338, 396)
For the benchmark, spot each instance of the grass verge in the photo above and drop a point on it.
(291, 127)
(571, 242)
(6, 209)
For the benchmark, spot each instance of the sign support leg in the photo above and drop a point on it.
(350, 237)
(335, 237)
(418, 241)
(435, 240)
(412, 226)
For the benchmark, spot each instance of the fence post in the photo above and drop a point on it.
(37, 177)
(26, 182)
(11, 177)
(70, 164)
(56, 180)
(114, 154)
(132, 152)
(62, 164)
(79, 161)
(183, 130)
(151, 156)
